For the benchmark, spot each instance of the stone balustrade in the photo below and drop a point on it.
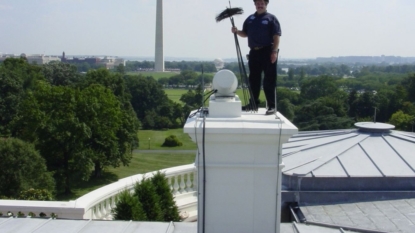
(99, 203)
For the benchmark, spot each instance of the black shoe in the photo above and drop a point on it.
(249, 107)
(270, 111)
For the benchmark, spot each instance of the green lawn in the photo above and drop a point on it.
(175, 94)
(157, 139)
(155, 75)
(143, 163)
(140, 163)
(239, 92)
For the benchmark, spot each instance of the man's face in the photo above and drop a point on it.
(261, 6)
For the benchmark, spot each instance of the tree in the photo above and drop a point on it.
(146, 193)
(60, 74)
(22, 168)
(319, 115)
(151, 200)
(120, 69)
(352, 101)
(127, 132)
(16, 76)
(47, 117)
(168, 206)
(100, 110)
(286, 108)
(128, 207)
(409, 83)
(73, 129)
(193, 99)
(285, 93)
(314, 88)
(402, 121)
(146, 94)
(366, 104)
(29, 74)
(11, 92)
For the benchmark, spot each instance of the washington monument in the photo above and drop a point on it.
(159, 57)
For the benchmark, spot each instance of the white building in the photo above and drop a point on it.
(38, 59)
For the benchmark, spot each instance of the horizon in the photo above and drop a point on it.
(177, 58)
(320, 28)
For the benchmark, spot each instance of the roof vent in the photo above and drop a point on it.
(374, 127)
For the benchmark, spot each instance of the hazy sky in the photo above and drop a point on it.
(310, 28)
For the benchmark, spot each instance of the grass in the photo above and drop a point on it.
(157, 139)
(155, 75)
(175, 94)
(140, 163)
(143, 163)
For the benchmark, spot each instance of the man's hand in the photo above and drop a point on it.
(274, 55)
(237, 32)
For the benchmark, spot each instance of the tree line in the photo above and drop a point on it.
(197, 66)
(79, 124)
(324, 103)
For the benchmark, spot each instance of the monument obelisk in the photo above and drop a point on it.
(159, 56)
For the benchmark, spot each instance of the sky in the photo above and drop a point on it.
(310, 28)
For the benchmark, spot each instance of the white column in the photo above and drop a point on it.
(159, 56)
(243, 168)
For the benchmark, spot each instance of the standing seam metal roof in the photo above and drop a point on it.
(351, 153)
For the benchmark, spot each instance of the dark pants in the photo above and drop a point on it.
(260, 61)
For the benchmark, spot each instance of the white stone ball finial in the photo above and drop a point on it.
(225, 82)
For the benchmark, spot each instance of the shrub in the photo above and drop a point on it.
(172, 141)
(146, 193)
(35, 194)
(168, 206)
(22, 168)
(128, 207)
(152, 200)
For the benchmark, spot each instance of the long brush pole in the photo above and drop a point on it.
(276, 81)
(242, 71)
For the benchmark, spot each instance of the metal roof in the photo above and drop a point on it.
(24, 225)
(386, 216)
(17, 225)
(373, 150)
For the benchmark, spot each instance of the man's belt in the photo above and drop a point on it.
(257, 48)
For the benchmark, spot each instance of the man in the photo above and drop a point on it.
(263, 32)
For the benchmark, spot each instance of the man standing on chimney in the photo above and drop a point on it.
(263, 31)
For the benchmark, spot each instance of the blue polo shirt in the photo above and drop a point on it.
(261, 29)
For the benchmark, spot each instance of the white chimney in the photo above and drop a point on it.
(241, 190)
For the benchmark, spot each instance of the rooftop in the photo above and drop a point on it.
(380, 152)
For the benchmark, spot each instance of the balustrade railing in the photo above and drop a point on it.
(99, 203)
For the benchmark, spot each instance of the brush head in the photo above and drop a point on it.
(229, 12)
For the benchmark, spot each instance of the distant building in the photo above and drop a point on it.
(111, 62)
(108, 62)
(38, 59)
